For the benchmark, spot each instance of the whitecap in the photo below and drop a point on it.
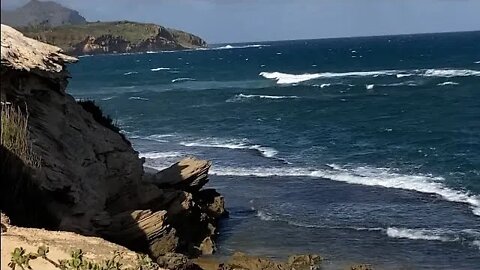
(450, 73)
(477, 243)
(447, 83)
(159, 69)
(477, 62)
(130, 73)
(241, 97)
(139, 98)
(159, 155)
(403, 75)
(265, 151)
(182, 80)
(108, 98)
(286, 78)
(158, 137)
(230, 47)
(367, 176)
(369, 86)
(418, 234)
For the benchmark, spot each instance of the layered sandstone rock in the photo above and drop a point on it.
(90, 180)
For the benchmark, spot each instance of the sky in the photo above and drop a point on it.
(229, 21)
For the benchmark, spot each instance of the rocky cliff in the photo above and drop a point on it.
(87, 178)
(114, 37)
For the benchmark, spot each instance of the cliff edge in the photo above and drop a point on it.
(79, 174)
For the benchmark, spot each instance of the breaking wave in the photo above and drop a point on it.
(156, 155)
(367, 176)
(265, 151)
(159, 69)
(447, 83)
(138, 98)
(286, 78)
(230, 47)
(418, 234)
(130, 73)
(182, 80)
(241, 97)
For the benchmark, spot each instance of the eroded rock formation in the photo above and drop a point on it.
(90, 180)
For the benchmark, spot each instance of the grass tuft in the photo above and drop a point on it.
(14, 134)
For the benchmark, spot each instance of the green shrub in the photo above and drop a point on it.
(14, 134)
(20, 258)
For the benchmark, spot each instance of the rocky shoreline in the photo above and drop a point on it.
(87, 181)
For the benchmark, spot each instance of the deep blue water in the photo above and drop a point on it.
(362, 150)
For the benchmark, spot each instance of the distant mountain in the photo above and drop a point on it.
(53, 23)
(42, 13)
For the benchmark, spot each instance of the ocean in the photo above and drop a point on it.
(358, 149)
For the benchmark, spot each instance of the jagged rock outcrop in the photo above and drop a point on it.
(90, 180)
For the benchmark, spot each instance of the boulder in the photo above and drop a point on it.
(241, 261)
(189, 174)
(175, 261)
(304, 262)
(361, 267)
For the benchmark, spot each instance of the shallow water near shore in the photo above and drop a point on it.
(361, 150)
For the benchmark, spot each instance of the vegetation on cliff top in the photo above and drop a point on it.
(69, 37)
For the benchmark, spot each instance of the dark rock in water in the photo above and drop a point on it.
(361, 267)
(175, 261)
(241, 261)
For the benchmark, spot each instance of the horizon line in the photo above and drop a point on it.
(347, 37)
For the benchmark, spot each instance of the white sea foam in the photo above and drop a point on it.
(418, 234)
(108, 98)
(264, 216)
(182, 80)
(241, 97)
(447, 83)
(369, 86)
(477, 62)
(157, 155)
(286, 78)
(232, 144)
(477, 243)
(230, 47)
(130, 73)
(403, 75)
(159, 69)
(139, 98)
(450, 73)
(366, 176)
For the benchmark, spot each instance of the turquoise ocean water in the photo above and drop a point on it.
(362, 149)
